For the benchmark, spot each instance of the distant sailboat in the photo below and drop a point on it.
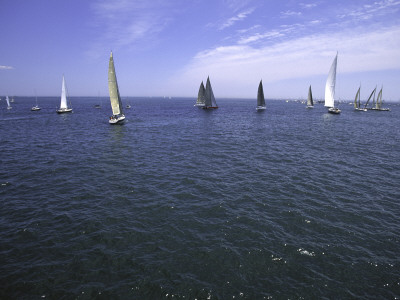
(209, 102)
(201, 96)
(357, 102)
(330, 89)
(379, 102)
(369, 98)
(260, 98)
(115, 99)
(63, 104)
(36, 107)
(8, 103)
(310, 101)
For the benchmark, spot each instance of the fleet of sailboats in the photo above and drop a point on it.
(310, 101)
(330, 88)
(115, 98)
(260, 98)
(64, 108)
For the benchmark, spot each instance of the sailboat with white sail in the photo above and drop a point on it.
(330, 88)
(310, 101)
(260, 98)
(209, 102)
(64, 108)
(201, 96)
(36, 107)
(118, 116)
(8, 103)
(357, 101)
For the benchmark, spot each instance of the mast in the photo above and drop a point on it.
(330, 84)
(260, 95)
(115, 98)
(310, 101)
(63, 104)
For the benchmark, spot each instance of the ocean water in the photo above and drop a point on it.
(182, 203)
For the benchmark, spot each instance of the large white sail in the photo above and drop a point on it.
(330, 85)
(8, 102)
(115, 98)
(63, 104)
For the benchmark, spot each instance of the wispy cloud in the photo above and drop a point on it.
(6, 68)
(239, 17)
(290, 13)
(374, 10)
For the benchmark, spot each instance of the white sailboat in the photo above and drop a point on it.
(63, 104)
(201, 96)
(310, 101)
(330, 89)
(36, 107)
(8, 103)
(115, 99)
(209, 102)
(357, 101)
(260, 98)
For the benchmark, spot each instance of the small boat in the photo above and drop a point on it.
(36, 107)
(209, 102)
(63, 104)
(379, 101)
(260, 98)
(8, 103)
(201, 97)
(118, 116)
(330, 88)
(357, 102)
(310, 101)
(97, 106)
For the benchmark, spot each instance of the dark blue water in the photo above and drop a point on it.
(182, 203)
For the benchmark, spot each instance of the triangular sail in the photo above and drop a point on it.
(8, 101)
(357, 99)
(378, 104)
(330, 85)
(310, 101)
(63, 104)
(260, 95)
(209, 95)
(202, 94)
(115, 98)
(370, 96)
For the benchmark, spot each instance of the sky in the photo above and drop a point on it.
(167, 48)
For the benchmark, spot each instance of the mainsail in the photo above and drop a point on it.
(330, 85)
(310, 101)
(115, 98)
(260, 95)
(8, 102)
(201, 96)
(63, 104)
(370, 96)
(378, 104)
(357, 102)
(209, 95)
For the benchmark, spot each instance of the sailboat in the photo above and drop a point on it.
(209, 102)
(36, 107)
(369, 98)
(63, 104)
(379, 101)
(201, 96)
(8, 103)
(330, 89)
(357, 102)
(115, 99)
(260, 98)
(310, 101)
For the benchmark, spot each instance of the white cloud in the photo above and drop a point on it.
(239, 17)
(6, 68)
(236, 68)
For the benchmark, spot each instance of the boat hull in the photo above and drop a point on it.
(360, 109)
(116, 120)
(64, 110)
(334, 110)
(309, 106)
(35, 108)
(260, 108)
(199, 105)
(209, 107)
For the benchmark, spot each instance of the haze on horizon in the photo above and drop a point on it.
(166, 48)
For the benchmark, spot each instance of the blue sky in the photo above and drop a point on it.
(166, 48)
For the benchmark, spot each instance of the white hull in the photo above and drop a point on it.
(117, 120)
(9, 107)
(64, 110)
(360, 109)
(260, 108)
(334, 110)
(199, 105)
(35, 108)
